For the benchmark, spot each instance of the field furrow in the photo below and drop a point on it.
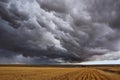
(57, 73)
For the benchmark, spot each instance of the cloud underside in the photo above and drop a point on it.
(48, 31)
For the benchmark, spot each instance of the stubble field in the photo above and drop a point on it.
(59, 73)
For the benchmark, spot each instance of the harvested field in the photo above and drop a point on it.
(59, 73)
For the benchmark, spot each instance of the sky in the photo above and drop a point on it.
(59, 31)
(106, 62)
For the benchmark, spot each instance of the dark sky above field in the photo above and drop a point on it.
(59, 31)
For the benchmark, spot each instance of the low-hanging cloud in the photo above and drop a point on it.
(59, 30)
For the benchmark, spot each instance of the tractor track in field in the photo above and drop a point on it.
(87, 73)
(84, 74)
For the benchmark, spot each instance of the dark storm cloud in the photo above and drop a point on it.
(10, 57)
(55, 30)
(52, 5)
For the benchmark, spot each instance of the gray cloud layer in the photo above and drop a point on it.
(59, 30)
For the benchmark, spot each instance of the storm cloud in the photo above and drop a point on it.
(38, 31)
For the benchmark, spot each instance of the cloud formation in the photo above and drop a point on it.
(59, 30)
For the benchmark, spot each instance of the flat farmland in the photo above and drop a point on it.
(59, 73)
